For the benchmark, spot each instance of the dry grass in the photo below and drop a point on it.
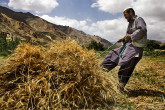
(146, 87)
(64, 76)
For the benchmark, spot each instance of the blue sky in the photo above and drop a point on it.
(96, 17)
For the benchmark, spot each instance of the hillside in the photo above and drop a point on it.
(29, 27)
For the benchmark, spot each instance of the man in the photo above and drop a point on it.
(128, 55)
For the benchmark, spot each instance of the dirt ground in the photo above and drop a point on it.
(2, 61)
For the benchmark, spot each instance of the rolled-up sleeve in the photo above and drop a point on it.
(141, 30)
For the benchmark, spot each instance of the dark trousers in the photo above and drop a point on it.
(125, 71)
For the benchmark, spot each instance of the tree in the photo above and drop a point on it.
(96, 46)
(3, 43)
(162, 47)
(151, 45)
(6, 47)
(13, 43)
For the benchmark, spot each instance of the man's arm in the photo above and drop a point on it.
(141, 30)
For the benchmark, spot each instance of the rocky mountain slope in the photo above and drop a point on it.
(29, 27)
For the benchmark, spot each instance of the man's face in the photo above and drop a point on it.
(127, 16)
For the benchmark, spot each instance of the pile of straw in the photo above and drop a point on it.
(63, 76)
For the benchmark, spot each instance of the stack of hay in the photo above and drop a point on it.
(64, 76)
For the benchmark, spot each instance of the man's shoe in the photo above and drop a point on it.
(105, 70)
(121, 88)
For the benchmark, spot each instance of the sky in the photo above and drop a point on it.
(103, 18)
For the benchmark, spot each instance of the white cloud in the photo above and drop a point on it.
(111, 30)
(4, 3)
(112, 6)
(153, 13)
(156, 30)
(151, 10)
(66, 21)
(39, 6)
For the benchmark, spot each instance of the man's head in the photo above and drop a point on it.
(129, 13)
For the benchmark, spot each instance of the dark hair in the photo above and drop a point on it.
(130, 9)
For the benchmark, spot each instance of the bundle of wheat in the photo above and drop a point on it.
(64, 76)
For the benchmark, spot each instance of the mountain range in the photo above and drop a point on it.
(27, 26)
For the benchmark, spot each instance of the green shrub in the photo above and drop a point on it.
(96, 46)
(151, 45)
(4, 53)
(3, 43)
(6, 47)
(154, 53)
(162, 47)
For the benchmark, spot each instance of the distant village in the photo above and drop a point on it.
(9, 36)
(8, 42)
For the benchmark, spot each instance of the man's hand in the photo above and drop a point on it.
(120, 40)
(128, 36)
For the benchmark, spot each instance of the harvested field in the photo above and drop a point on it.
(146, 87)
